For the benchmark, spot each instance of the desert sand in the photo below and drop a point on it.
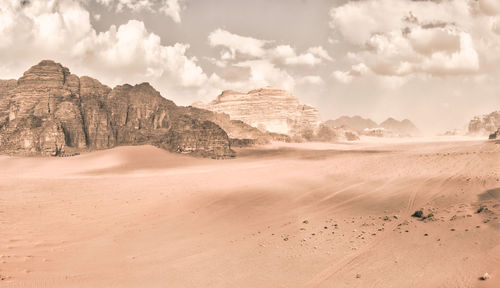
(301, 215)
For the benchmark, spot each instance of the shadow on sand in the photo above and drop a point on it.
(302, 154)
(492, 194)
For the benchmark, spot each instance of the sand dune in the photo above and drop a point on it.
(305, 215)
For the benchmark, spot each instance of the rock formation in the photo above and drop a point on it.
(50, 111)
(389, 128)
(269, 110)
(485, 124)
(402, 128)
(495, 135)
(355, 123)
(329, 133)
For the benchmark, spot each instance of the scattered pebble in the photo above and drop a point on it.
(481, 209)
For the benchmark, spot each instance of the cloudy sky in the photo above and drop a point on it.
(434, 62)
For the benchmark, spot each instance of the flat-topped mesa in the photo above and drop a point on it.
(267, 109)
(49, 111)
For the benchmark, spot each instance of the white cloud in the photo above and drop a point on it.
(347, 77)
(263, 73)
(171, 8)
(287, 55)
(311, 80)
(268, 64)
(134, 5)
(234, 44)
(61, 30)
(320, 52)
(343, 76)
(237, 44)
(404, 37)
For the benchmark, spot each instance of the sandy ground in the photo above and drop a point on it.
(308, 215)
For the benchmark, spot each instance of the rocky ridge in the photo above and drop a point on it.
(50, 111)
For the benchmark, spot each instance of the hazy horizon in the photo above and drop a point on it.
(433, 62)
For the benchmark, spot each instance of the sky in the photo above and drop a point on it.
(436, 63)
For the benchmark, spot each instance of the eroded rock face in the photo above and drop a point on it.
(49, 110)
(5, 87)
(267, 109)
(485, 124)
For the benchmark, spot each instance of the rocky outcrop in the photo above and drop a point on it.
(328, 133)
(50, 111)
(355, 123)
(495, 135)
(485, 124)
(269, 110)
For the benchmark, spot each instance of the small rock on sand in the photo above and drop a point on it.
(418, 214)
(481, 209)
(485, 277)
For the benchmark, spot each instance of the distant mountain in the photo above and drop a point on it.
(389, 128)
(403, 128)
(485, 124)
(356, 123)
(268, 109)
(50, 111)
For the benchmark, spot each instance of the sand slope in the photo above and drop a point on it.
(305, 215)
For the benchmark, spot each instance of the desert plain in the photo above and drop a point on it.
(278, 215)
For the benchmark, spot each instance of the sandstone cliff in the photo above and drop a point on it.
(485, 124)
(269, 110)
(50, 111)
